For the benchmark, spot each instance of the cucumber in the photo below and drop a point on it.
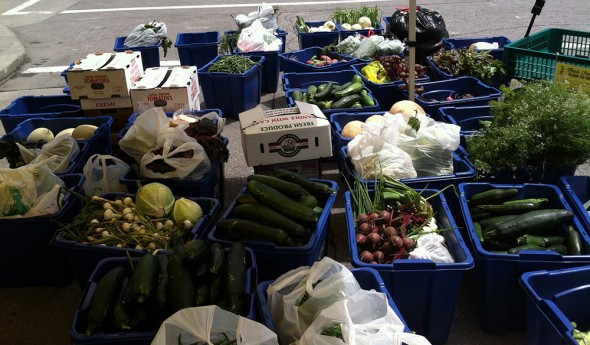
(216, 286)
(506, 209)
(539, 222)
(242, 229)
(202, 294)
(311, 90)
(518, 249)
(357, 79)
(478, 231)
(181, 291)
(543, 241)
(290, 189)
(202, 270)
(145, 278)
(217, 258)
(560, 248)
(281, 203)
(235, 275)
(573, 241)
(356, 105)
(121, 317)
(269, 217)
(352, 89)
(493, 196)
(366, 100)
(346, 102)
(341, 87)
(297, 95)
(106, 291)
(162, 291)
(312, 187)
(246, 198)
(195, 252)
(325, 93)
(308, 200)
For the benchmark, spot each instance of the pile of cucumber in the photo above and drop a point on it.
(156, 286)
(507, 224)
(282, 209)
(332, 95)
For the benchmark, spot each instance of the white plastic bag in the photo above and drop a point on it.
(29, 191)
(185, 157)
(257, 38)
(368, 47)
(102, 174)
(313, 290)
(265, 14)
(365, 318)
(208, 324)
(145, 35)
(431, 247)
(63, 147)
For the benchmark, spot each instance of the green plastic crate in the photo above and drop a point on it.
(535, 56)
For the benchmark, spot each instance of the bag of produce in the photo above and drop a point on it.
(364, 318)
(145, 35)
(297, 297)
(256, 38)
(266, 14)
(212, 325)
(63, 147)
(102, 174)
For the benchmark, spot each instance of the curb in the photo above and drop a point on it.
(12, 52)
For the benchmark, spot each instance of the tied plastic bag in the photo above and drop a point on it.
(297, 297)
(365, 318)
(257, 38)
(145, 35)
(63, 147)
(176, 156)
(29, 191)
(390, 47)
(102, 174)
(374, 152)
(432, 247)
(368, 47)
(266, 14)
(211, 324)
(376, 73)
(431, 147)
(349, 45)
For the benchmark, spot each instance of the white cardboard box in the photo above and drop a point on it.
(105, 103)
(170, 88)
(285, 135)
(104, 75)
(118, 107)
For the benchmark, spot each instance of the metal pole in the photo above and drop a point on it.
(411, 42)
(537, 7)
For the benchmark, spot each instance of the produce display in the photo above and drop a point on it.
(152, 219)
(159, 285)
(357, 19)
(302, 27)
(469, 62)
(283, 209)
(325, 60)
(332, 95)
(234, 64)
(507, 224)
(395, 68)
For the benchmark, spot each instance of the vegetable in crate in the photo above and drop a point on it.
(233, 64)
(469, 62)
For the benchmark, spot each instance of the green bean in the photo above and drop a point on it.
(234, 64)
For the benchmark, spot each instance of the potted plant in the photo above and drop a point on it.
(540, 132)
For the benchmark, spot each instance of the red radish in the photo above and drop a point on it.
(361, 240)
(373, 216)
(396, 242)
(378, 256)
(309, 62)
(362, 218)
(365, 228)
(366, 256)
(388, 232)
(374, 239)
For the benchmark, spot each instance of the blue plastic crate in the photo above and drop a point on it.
(145, 337)
(291, 103)
(438, 74)
(384, 93)
(83, 257)
(295, 62)
(100, 142)
(436, 92)
(576, 190)
(317, 39)
(34, 260)
(464, 112)
(339, 120)
(387, 22)
(271, 68)
(245, 89)
(377, 30)
(279, 33)
(274, 260)
(27, 107)
(501, 301)
(438, 284)
(458, 43)
(555, 300)
(367, 278)
(303, 80)
(197, 48)
(150, 55)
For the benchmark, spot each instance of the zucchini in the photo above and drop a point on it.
(515, 208)
(543, 241)
(357, 79)
(202, 269)
(269, 217)
(479, 214)
(536, 201)
(321, 87)
(181, 291)
(202, 293)
(195, 251)
(478, 231)
(366, 100)
(145, 278)
(311, 90)
(242, 229)
(290, 189)
(308, 200)
(121, 317)
(162, 291)
(352, 89)
(538, 222)
(106, 291)
(491, 223)
(281, 203)
(245, 198)
(323, 94)
(356, 105)
(297, 95)
(235, 276)
(493, 196)
(560, 248)
(216, 286)
(495, 245)
(217, 258)
(518, 249)
(313, 187)
(346, 102)
(573, 241)
(341, 87)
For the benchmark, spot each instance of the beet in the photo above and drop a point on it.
(409, 243)
(396, 243)
(373, 216)
(388, 232)
(373, 239)
(365, 228)
(361, 240)
(366, 256)
(378, 256)
(362, 218)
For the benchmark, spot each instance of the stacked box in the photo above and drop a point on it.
(150, 55)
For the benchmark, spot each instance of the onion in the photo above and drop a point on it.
(366, 256)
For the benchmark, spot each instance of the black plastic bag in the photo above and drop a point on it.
(430, 29)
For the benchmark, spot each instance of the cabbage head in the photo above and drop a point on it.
(186, 209)
(154, 200)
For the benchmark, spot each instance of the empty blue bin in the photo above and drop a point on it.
(150, 55)
(232, 93)
(27, 107)
(317, 39)
(197, 48)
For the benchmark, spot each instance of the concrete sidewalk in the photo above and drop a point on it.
(12, 52)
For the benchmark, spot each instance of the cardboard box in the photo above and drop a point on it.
(171, 88)
(285, 135)
(311, 168)
(104, 75)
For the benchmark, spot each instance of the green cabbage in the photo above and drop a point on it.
(185, 209)
(155, 200)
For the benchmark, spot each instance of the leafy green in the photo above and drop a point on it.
(469, 62)
(542, 125)
(352, 16)
(333, 331)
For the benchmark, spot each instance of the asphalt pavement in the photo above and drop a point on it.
(43, 315)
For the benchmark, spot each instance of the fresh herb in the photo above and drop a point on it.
(469, 62)
(333, 331)
(300, 25)
(229, 42)
(234, 64)
(542, 125)
(352, 16)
